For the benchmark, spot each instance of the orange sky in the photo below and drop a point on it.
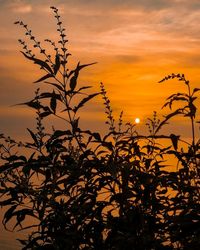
(136, 43)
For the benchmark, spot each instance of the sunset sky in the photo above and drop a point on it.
(136, 43)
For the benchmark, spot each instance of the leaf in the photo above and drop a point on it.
(108, 145)
(175, 97)
(7, 202)
(177, 112)
(73, 80)
(16, 158)
(56, 85)
(26, 170)
(32, 104)
(174, 139)
(23, 242)
(31, 157)
(85, 87)
(39, 62)
(83, 101)
(193, 110)
(119, 198)
(9, 214)
(195, 90)
(79, 67)
(20, 217)
(59, 133)
(53, 102)
(85, 65)
(75, 125)
(50, 95)
(21, 214)
(33, 136)
(178, 95)
(97, 136)
(68, 108)
(57, 64)
(85, 154)
(44, 78)
(45, 114)
(12, 166)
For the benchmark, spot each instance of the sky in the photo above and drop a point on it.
(136, 43)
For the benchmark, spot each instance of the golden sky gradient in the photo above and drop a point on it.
(136, 43)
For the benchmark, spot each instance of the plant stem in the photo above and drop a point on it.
(191, 118)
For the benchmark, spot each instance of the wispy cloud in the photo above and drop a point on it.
(18, 6)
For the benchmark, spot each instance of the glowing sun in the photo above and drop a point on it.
(137, 120)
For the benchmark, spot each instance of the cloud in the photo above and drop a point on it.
(128, 58)
(23, 9)
(108, 5)
(19, 6)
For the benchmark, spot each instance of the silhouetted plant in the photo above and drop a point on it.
(84, 190)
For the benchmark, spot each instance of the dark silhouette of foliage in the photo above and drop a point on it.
(84, 190)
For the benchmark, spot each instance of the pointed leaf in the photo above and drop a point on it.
(21, 214)
(33, 136)
(9, 214)
(45, 114)
(97, 136)
(195, 90)
(79, 67)
(59, 133)
(84, 100)
(44, 78)
(56, 85)
(85, 65)
(53, 102)
(33, 104)
(174, 139)
(85, 87)
(49, 95)
(73, 82)
(75, 125)
(43, 64)
(57, 64)
(177, 112)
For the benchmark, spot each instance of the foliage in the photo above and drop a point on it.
(83, 190)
